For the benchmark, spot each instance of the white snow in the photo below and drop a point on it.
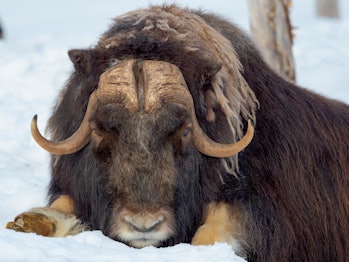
(34, 66)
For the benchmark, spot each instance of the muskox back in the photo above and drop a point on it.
(293, 179)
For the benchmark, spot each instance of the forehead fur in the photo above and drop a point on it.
(169, 25)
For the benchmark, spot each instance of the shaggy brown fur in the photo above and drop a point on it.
(288, 194)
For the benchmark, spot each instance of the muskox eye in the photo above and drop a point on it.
(94, 128)
(186, 132)
(96, 133)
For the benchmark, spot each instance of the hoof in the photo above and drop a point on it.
(31, 222)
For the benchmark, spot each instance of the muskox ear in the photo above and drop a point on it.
(81, 60)
(206, 75)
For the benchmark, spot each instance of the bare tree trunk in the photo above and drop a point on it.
(327, 8)
(272, 31)
(1, 32)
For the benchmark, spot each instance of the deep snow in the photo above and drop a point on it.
(34, 66)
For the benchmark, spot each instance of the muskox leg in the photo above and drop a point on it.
(57, 220)
(222, 223)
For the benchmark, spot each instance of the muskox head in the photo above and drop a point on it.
(139, 120)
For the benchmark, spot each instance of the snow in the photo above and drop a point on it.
(33, 68)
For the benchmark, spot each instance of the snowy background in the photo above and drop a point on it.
(34, 66)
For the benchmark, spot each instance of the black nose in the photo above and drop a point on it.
(145, 229)
(143, 225)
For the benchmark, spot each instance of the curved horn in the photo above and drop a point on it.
(73, 143)
(207, 146)
(165, 83)
(116, 85)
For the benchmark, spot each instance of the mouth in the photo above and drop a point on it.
(140, 240)
(144, 242)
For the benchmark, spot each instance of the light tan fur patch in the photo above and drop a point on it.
(63, 204)
(221, 224)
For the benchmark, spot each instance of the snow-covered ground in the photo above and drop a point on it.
(34, 66)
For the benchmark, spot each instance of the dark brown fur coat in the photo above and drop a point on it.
(293, 179)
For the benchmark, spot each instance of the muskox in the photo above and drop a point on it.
(151, 144)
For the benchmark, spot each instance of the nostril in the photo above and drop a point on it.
(143, 226)
(145, 229)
